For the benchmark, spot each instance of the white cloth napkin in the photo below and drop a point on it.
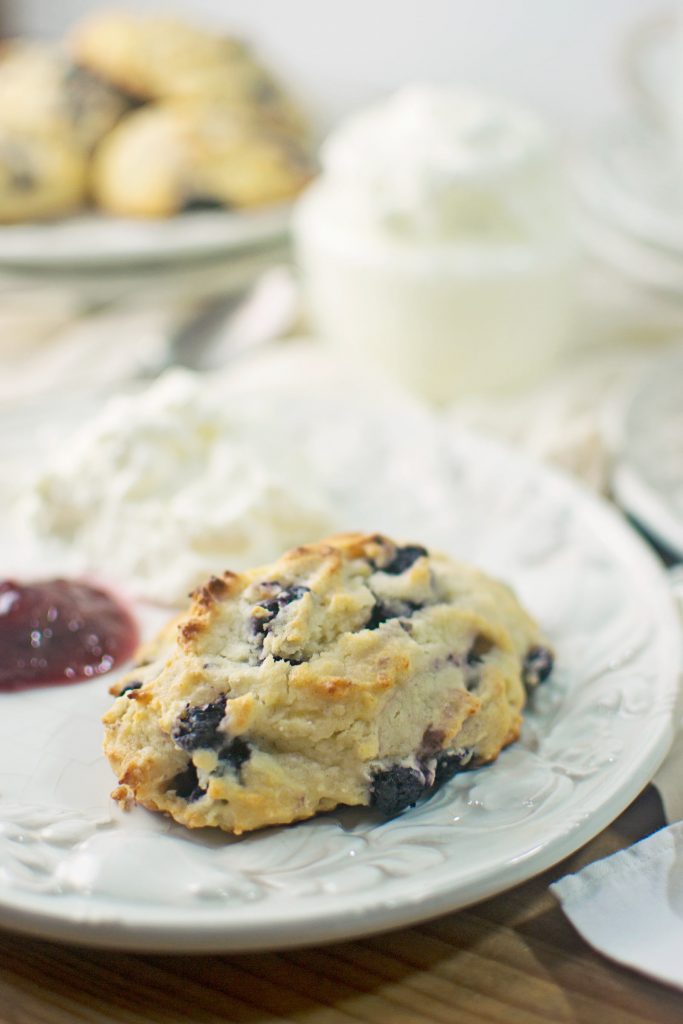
(630, 906)
(97, 331)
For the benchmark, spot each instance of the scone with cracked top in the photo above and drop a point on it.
(41, 91)
(168, 157)
(52, 114)
(142, 168)
(354, 671)
(149, 55)
(157, 57)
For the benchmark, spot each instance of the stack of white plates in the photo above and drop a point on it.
(648, 474)
(631, 206)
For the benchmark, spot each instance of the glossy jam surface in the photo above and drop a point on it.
(60, 631)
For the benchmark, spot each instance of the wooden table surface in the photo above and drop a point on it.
(514, 959)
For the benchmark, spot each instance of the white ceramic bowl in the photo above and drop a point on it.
(446, 319)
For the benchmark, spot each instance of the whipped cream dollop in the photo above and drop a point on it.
(202, 472)
(163, 488)
(437, 161)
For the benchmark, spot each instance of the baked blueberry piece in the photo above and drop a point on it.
(353, 671)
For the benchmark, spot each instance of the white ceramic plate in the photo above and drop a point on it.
(96, 240)
(648, 477)
(73, 867)
(631, 184)
(643, 265)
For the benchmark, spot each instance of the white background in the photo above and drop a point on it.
(561, 56)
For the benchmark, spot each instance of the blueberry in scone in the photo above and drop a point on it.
(354, 671)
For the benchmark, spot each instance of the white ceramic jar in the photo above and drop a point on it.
(435, 243)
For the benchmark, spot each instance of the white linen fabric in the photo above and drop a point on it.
(630, 906)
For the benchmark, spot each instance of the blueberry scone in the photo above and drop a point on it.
(41, 175)
(242, 161)
(42, 91)
(169, 157)
(350, 672)
(155, 57)
(150, 56)
(142, 168)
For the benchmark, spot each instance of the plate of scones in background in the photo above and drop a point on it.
(143, 137)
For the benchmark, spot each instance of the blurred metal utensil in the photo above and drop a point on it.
(231, 325)
(267, 312)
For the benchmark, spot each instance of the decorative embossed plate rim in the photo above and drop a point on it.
(595, 737)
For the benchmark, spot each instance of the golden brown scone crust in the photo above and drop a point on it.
(352, 671)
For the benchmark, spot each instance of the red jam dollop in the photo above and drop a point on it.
(60, 631)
